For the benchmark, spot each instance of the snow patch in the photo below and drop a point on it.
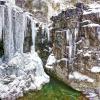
(92, 25)
(87, 54)
(50, 61)
(91, 95)
(93, 8)
(95, 69)
(78, 76)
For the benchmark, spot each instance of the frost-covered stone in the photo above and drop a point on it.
(80, 77)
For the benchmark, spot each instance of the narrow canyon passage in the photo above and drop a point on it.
(55, 90)
(49, 50)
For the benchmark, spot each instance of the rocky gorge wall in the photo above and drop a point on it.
(75, 52)
(74, 44)
(44, 9)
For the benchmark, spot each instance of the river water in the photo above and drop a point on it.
(55, 90)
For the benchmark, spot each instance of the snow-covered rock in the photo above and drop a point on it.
(95, 69)
(93, 8)
(78, 76)
(50, 61)
(87, 54)
(92, 25)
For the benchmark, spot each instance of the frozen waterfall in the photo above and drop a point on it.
(19, 71)
(33, 34)
(71, 37)
(8, 33)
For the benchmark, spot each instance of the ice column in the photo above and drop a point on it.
(8, 34)
(19, 31)
(71, 36)
(69, 41)
(33, 27)
(1, 21)
(47, 31)
(75, 34)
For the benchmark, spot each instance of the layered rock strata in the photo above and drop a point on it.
(76, 48)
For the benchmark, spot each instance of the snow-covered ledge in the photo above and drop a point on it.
(78, 76)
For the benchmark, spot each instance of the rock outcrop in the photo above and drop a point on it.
(44, 9)
(76, 48)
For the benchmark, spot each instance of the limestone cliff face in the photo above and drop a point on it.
(76, 48)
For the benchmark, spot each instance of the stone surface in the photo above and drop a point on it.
(75, 38)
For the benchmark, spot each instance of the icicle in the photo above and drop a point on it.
(98, 32)
(23, 31)
(19, 31)
(69, 41)
(76, 33)
(71, 36)
(70, 46)
(47, 32)
(8, 34)
(67, 35)
(1, 20)
(75, 38)
(33, 27)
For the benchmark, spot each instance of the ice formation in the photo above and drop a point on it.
(19, 71)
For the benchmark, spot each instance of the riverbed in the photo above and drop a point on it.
(55, 90)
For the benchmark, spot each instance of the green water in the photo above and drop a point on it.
(55, 90)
